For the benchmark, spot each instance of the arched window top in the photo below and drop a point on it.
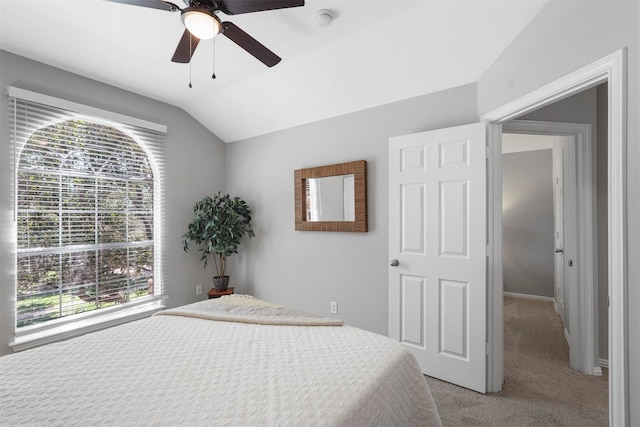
(85, 148)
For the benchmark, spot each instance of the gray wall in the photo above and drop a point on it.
(195, 167)
(306, 269)
(564, 37)
(527, 222)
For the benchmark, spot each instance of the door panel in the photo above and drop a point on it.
(412, 293)
(453, 319)
(453, 216)
(437, 232)
(412, 206)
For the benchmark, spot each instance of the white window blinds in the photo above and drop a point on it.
(88, 211)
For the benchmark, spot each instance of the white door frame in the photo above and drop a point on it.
(612, 70)
(582, 297)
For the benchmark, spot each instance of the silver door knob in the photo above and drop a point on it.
(394, 263)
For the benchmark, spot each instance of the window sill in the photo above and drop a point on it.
(80, 327)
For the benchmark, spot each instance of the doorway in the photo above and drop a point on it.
(588, 278)
(609, 70)
(528, 217)
(537, 186)
(575, 245)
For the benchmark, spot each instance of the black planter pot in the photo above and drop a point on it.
(221, 283)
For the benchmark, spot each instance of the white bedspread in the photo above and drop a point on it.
(174, 370)
(248, 309)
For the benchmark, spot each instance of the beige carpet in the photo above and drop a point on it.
(539, 387)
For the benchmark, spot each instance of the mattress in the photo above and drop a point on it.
(209, 364)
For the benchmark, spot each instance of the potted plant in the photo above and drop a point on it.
(218, 225)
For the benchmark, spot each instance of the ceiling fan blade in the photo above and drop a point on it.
(235, 7)
(186, 47)
(248, 43)
(153, 4)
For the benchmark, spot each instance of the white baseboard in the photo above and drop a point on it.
(528, 296)
(597, 371)
(604, 363)
(567, 337)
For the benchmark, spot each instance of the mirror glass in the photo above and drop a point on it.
(331, 198)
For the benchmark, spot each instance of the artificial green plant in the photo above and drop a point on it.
(219, 223)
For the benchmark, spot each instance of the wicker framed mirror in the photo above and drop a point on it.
(331, 197)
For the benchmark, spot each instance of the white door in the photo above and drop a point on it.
(437, 248)
(565, 225)
(558, 225)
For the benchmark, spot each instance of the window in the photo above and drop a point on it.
(88, 238)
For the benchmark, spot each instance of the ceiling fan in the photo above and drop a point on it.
(200, 18)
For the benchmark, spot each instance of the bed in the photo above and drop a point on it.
(232, 361)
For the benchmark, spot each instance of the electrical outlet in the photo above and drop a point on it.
(198, 289)
(333, 307)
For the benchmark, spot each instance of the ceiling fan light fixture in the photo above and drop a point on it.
(201, 22)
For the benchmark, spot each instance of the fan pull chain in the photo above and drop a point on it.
(213, 76)
(190, 57)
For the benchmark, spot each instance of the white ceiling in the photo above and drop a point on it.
(374, 52)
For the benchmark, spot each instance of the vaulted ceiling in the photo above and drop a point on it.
(374, 52)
